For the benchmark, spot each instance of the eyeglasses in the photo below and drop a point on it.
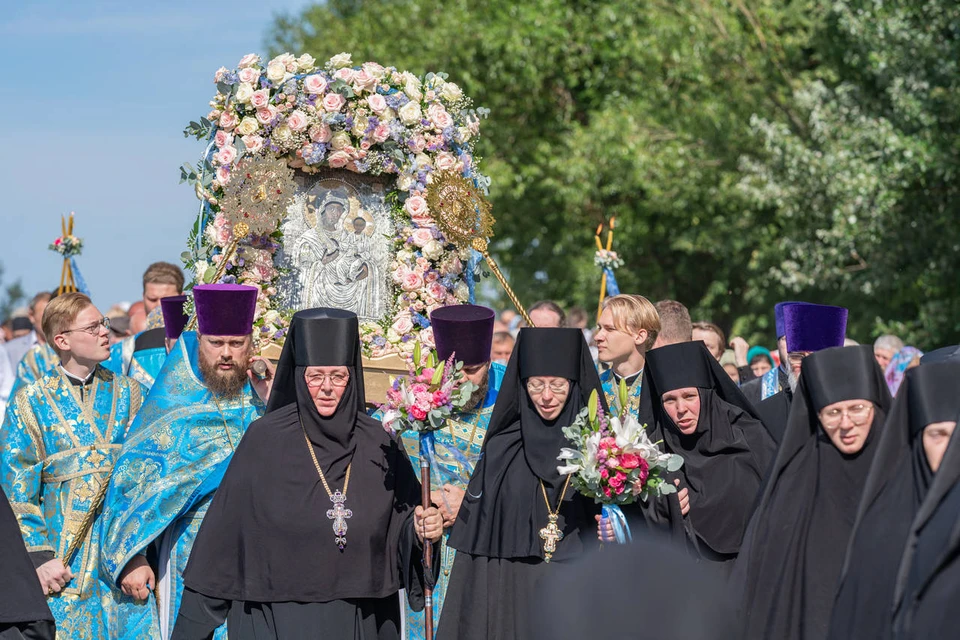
(92, 329)
(336, 379)
(557, 388)
(858, 415)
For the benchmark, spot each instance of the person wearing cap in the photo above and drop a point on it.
(465, 333)
(202, 402)
(273, 558)
(807, 328)
(175, 319)
(777, 378)
(58, 445)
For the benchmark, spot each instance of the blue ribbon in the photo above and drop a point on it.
(612, 287)
(475, 258)
(438, 472)
(621, 530)
(78, 278)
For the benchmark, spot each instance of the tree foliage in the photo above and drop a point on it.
(750, 152)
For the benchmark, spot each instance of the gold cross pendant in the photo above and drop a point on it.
(550, 535)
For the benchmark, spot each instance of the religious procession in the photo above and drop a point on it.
(389, 390)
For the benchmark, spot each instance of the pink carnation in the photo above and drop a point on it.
(417, 413)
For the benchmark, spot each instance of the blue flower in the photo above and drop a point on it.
(380, 341)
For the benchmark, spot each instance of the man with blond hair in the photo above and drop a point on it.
(627, 328)
(58, 444)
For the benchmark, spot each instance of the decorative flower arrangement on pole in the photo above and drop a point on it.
(608, 260)
(362, 118)
(69, 246)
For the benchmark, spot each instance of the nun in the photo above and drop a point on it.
(794, 547)
(520, 518)
(316, 525)
(703, 417)
(908, 454)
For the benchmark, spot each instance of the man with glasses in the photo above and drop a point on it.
(807, 328)
(202, 402)
(465, 333)
(58, 444)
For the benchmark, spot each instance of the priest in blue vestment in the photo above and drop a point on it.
(58, 445)
(180, 445)
(778, 378)
(466, 333)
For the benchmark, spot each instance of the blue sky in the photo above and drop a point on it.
(95, 97)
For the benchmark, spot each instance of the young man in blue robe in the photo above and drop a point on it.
(179, 447)
(466, 333)
(58, 444)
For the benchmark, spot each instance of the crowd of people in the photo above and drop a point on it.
(161, 480)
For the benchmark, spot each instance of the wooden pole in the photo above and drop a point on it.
(427, 545)
(603, 279)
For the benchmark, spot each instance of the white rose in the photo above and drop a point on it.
(340, 140)
(244, 92)
(306, 62)
(404, 182)
(253, 143)
(462, 291)
(249, 60)
(374, 69)
(423, 160)
(271, 317)
(201, 267)
(465, 134)
(247, 126)
(444, 161)
(432, 250)
(282, 134)
(451, 92)
(340, 60)
(360, 126)
(404, 256)
(410, 113)
(276, 71)
(411, 86)
(377, 103)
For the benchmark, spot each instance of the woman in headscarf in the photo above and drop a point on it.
(520, 517)
(928, 582)
(760, 360)
(905, 359)
(908, 453)
(704, 418)
(795, 543)
(272, 557)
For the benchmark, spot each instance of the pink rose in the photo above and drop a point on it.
(432, 276)
(423, 263)
(403, 324)
(297, 121)
(260, 99)
(444, 161)
(439, 116)
(249, 75)
(320, 133)
(426, 337)
(381, 132)
(363, 80)
(345, 74)
(222, 139)
(412, 281)
(422, 236)
(419, 389)
(416, 206)
(377, 103)
(417, 413)
(629, 460)
(333, 102)
(218, 75)
(604, 474)
(613, 462)
(266, 114)
(417, 144)
(226, 155)
(248, 60)
(437, 291)
(440, 398)
(223, 175)
(314, 84)
(253, 143)
(617, 481)
(228, 120)
(338, 159)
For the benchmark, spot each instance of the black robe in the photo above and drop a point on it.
(899, 479)
(794, 547)
(500, 564)
(23, 609)
(266, 558)
(928, 581)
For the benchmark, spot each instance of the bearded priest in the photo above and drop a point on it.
(465, 333)
(203, 400)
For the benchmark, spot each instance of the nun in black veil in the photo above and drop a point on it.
(317, 524)
(908, 454)
(794, 547)
(501, 530)
(703, 417)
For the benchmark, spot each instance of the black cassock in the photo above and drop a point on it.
(265, 558)
(23, 610)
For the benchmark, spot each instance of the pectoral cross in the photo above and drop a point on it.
(550, 535)
(339, 515)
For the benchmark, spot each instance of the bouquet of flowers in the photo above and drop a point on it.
(67, 245)
(606, 259)
(424, 399)
(614, 461)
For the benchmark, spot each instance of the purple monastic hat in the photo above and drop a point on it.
(778, 317)
(225, 309)
(174, 319)
(813, 327)
(463, 329)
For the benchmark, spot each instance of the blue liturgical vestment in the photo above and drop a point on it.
(458, 447)
(611, 390)
(58, 444)
(141, 364)
(39, 361)
(171, 465)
